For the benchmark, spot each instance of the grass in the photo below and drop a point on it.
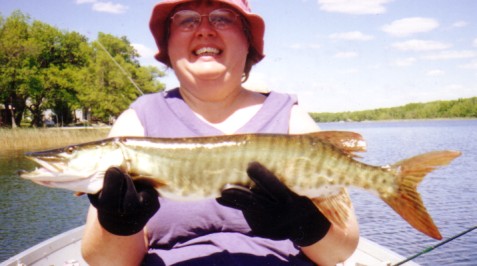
(31, 139)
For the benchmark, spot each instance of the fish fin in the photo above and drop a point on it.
(335, 208)
(347, 141)
(407, 202)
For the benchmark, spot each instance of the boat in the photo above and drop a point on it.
(65, 250)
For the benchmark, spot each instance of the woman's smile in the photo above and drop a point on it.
(207, 51)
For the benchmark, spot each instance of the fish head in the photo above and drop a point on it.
(80, 167)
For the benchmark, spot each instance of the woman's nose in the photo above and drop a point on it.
(205, 28)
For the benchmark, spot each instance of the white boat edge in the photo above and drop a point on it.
(65, 250)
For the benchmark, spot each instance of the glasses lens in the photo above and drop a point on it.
(222, 18)
(186, 19)
(189, 20)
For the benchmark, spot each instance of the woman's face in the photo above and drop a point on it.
(207, 53)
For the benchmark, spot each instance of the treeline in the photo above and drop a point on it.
(43, 67)
(461, 108)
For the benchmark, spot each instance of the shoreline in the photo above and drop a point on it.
(34, 139)
(407, 120)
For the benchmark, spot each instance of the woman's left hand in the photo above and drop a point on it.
(273, 211)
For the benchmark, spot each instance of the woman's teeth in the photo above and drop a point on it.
(207, 51)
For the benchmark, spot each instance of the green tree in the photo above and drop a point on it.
(37, 61)
(106, 89)
(15, 52)
(44, 68)
(437, 109)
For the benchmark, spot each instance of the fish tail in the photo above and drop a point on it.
(407, 202)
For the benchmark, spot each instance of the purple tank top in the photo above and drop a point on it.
(205, 232)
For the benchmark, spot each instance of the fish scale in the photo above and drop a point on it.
(318, 165)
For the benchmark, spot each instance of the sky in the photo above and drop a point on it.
(335, 55)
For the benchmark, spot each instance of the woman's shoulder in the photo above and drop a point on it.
(127, 124)
(301, 122)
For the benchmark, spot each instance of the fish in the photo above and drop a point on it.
(319, 165)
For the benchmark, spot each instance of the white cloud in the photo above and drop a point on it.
(360, 7)
(350, 71)
(109, 7)
(475, 42)
(404, 62)
(143, 50)
(146, 55)
(445, 55)
(346, 54)
(435, 72)
(420, 45)
(302, 46)
(471, 65)
(408, 26)
(351, 36)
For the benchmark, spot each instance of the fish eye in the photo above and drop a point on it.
(70, 149)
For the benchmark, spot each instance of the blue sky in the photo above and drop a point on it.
(336, 55)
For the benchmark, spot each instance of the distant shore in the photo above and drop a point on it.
(460, 108)
(33, 139)
(406, 120)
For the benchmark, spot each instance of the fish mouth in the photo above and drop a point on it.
(42, 176)
(53, 166)
(51, 170)
(49, 159)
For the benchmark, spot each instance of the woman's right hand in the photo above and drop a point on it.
(124, 207)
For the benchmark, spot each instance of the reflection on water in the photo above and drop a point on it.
(30, 213)
(448, 193)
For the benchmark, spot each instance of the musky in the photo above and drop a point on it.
(336, 55)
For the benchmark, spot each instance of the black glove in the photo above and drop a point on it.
(273, 211)
(123, 206)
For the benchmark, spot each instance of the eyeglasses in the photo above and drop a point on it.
(189, 20)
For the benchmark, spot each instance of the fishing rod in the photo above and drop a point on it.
(429, 249)
(121, 68)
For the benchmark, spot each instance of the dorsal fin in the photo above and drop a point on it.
(347, 141)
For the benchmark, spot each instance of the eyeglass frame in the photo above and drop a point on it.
(200, 16)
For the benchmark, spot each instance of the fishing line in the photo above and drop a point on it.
(429, 249)
(121, 68)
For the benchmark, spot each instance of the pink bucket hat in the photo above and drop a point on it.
(162, 11)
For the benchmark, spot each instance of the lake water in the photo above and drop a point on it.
(449, 193)
(30, 213)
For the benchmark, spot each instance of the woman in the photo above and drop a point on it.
(211, 46)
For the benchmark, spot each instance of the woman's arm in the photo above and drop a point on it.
(99, 247)
(338, 244)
